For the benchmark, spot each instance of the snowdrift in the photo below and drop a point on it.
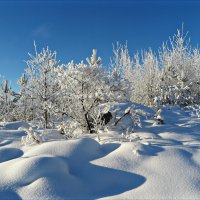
(164, 163)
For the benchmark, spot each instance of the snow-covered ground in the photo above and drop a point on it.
(155, 162)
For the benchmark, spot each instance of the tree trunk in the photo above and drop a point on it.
(88, 123)
(45, 118)
(45, 99)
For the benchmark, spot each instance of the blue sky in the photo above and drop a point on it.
(74, 28)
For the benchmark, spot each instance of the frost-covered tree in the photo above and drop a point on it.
(23, 102)
(84, 87)
(121, 72)
(136, 77)
(142, 73)
(6, 101)
(49, 92)
(40, 90)
(195, 74)
(121, 60)
(179, 64)
(171, 76)
(151, 76)
(144, 77)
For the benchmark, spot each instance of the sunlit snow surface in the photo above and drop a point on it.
(163, 164)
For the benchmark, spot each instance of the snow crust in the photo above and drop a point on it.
(160, 162)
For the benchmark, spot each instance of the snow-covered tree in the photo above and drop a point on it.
(38, 86)
(179, 64)
(141, 72)
(151, 72)
(51, 92)
(195, 73)
(120, 77)
(23, 103)
(6, 101)
(84, 88)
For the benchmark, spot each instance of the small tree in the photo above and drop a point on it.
(6, 101)
(22, 103)
(151, 76)
(179, 65)
(40, 90)
(141, 73)
(84, 88)
(120, 79)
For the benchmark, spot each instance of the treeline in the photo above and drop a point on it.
(72, 93)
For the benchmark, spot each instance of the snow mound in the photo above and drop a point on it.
(62, 169)
(157, 162)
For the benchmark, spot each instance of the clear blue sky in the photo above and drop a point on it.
(74, 28)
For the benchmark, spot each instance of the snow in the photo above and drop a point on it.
(155, 162)
(13, 125)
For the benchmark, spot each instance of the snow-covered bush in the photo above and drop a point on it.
(194, 109)
(197, 110)
(158, 116)
(130, 137)
(32, 137)
(127, 120)
(98, 120)
(69, 129)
